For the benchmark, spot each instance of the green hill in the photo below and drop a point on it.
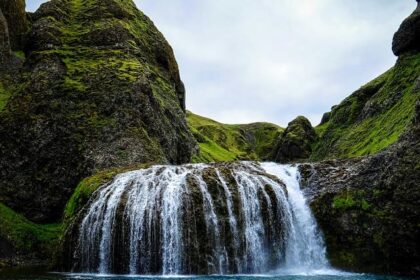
(228, 142)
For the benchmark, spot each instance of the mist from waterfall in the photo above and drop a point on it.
(242, 218)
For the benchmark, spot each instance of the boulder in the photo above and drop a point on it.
(407, 38)
(295, 142)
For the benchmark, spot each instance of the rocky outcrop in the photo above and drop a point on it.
(407, 38)
(86, 101)
(5, 51)
(368, 208)
(15, 14)
(295, 142)
(376, 115)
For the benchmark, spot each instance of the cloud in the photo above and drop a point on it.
(271, 60)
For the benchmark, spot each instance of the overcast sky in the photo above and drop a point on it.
(271, 60)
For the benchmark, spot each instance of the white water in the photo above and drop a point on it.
(305, 249)
(147, 222)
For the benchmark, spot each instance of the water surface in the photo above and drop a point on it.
(39, 273)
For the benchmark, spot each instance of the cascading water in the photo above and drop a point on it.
(200, 219)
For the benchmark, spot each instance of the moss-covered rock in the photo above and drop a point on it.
(15, 14)
(100, 88)
(5, 50)
(22, 241)
(228, 142)
(368, 208)
(294, 144)
(373, 117)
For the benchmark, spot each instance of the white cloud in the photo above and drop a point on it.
(271, 60)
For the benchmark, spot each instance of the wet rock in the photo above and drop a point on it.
(368, 208)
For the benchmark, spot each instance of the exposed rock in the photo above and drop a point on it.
(374, 116)
(368, 208)
(325, 118)
(99, 89)
(295, 142)
(5, 51)
(407, 38)
(14, 12)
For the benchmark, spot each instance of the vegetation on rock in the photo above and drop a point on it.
(294, 144)
(374, 117)
(228, 142)
(100, 88)
(18, 235)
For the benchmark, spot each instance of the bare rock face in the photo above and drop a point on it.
(407, 38)
(14, 12)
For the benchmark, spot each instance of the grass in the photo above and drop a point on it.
(229, 142)
(350, 134)
(25, 235)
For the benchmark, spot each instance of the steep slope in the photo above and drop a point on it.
(376, 115)
(368, 207)
(228, 142)
(100, 88)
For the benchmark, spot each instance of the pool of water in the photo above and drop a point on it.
(39, 273)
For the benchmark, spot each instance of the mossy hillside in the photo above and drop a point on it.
(99, 89)
(27, 237)
(374, 117)
(226, 142)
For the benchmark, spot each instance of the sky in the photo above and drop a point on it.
(271, 60)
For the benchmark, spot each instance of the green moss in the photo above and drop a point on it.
(350, 134)
(229, 142)
(4, 96)
(89, 185)
(27, 236)
(343, 203)
(20, 54)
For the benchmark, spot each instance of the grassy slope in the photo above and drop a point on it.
(26, 236)
(226, 142)
(349, 133)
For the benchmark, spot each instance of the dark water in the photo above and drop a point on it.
(39, 273)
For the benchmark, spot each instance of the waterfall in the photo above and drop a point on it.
(199, 219)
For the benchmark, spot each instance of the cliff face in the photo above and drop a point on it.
(368, 207)
(100, 88)
(15, 14)
(407, 38)
(5, 51)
